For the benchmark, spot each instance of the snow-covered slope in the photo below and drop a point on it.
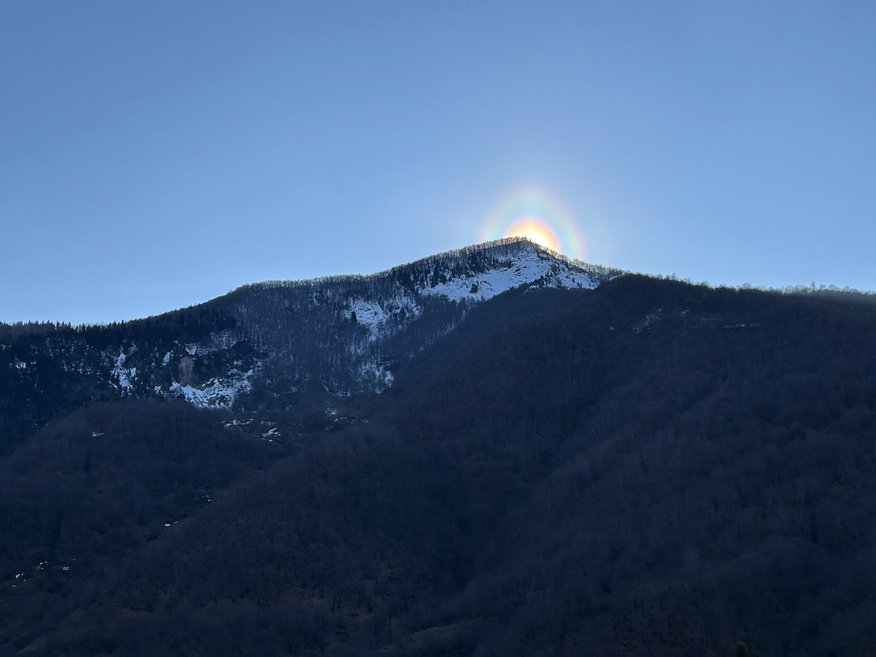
(529, 266)
(347, 334)
(263, 342)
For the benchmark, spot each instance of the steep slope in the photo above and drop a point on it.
(348, 334)
(650, 468)
(263, 344)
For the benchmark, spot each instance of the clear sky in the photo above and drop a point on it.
(155, 154)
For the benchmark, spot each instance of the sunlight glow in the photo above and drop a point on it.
(536, 230)
(534, 213)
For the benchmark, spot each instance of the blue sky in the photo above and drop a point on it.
(156, 154)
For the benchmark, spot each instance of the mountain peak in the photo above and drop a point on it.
(484, 254)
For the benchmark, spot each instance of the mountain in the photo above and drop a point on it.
(587, 463)
(264, 344)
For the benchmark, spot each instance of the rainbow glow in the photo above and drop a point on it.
(532, 212)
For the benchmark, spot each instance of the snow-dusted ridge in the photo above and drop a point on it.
(530, 267)
(347, 334)
(340, 335)
(504, 247)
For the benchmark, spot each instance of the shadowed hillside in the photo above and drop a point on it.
(648, 468)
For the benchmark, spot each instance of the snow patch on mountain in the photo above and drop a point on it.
(530, 267)
(376, 316)
(217, 342)
(216, 392)
(368, 314)
(124, 375)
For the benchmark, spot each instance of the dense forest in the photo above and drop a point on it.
(647, 468)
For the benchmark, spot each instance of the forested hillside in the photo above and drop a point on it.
(646, 468)
(269, 345)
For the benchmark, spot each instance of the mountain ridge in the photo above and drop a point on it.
(265, 343)
(471, 249)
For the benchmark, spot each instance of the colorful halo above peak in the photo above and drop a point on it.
(535, 214)
(535, 229)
